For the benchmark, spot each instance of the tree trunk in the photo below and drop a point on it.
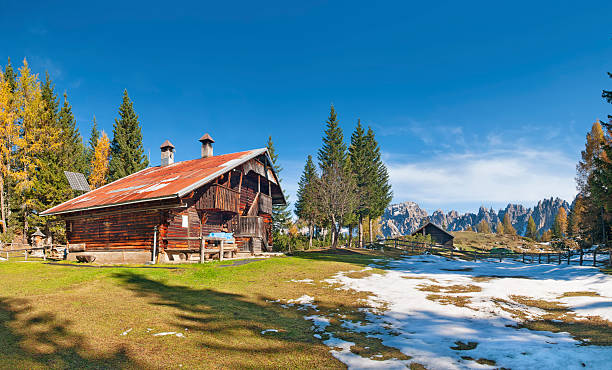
(2, 205)
(334, 234)
(310, 232)
(370, 230)
(360, 231)
(350, 235)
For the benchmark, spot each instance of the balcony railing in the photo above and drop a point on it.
(265, 203)
(220, 198)
(251, 226)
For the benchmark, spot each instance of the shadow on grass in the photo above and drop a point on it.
(30, 339)
(232, 324)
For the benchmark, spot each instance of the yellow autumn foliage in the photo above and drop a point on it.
(99, 162)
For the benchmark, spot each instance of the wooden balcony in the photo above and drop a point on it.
(219, 198)
(251, 226)
(265, 203)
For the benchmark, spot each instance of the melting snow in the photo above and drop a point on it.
(426, 330)
(269, 331)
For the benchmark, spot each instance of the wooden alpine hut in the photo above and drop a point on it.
(438, 234)
(169, 212)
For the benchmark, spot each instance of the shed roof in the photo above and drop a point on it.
(434, 225)
(156, 183)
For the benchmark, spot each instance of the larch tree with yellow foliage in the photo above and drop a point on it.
(9, 133)
(35, 139)
(99, 162)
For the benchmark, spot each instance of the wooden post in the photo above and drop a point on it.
(539, 258)
(523, 257)
(221, 251)
(595, 257)
(240, 182)
(500, 257)
(547, 257)
(202, 246)
(559, 255)
(581, 255)
(569, 255)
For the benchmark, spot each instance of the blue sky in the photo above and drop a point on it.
(472, 102)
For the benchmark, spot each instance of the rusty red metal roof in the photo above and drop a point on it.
(154, 183)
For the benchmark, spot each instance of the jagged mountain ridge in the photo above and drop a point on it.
(404, 218)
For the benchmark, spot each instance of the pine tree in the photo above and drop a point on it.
(532, 229)
(560, 224)
(93, 142)
(333, 151)
(127, 152)
(99, 164)
(380, 193)
(573, 226)
(508, 228)
(336, 194)
(363, 173)
(10, 76)
(281, 216)
(305, 208)
(74, 156)
(51, 186)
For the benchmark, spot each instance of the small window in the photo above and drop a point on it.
(185, 222)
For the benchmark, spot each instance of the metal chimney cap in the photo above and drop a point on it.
(206, 138)
(166, 144)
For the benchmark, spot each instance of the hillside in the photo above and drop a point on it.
(469, 240)
(403, 218)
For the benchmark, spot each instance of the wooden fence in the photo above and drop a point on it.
(578, 257)
(25, 251)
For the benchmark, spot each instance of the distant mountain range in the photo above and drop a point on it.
(404, 218)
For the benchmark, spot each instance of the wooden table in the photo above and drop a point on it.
(221, 249)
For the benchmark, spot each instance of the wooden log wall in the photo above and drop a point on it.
(119, 231)
(175, 229)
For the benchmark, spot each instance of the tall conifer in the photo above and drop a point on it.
(305, 207)
(380, 193)
(333, 151)
(94, 135)
(127, 152)
(363, 173)
(281, 215)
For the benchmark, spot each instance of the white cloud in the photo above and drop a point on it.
(496, 176)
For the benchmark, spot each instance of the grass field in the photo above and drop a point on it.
(310, 310)
(66, 316)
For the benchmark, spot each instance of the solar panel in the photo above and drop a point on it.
(77, 181)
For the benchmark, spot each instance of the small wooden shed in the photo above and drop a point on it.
(438, 234)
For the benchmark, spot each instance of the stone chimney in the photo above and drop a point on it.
(167, 153)
(207, 148)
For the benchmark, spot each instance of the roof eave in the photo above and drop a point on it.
(213, 176)
(165, 197)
